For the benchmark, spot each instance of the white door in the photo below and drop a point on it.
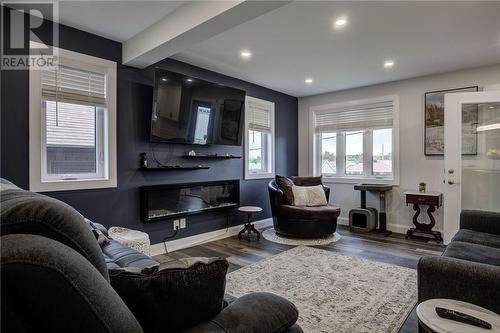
(472, 155)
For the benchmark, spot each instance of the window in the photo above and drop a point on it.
(259, 138)
(73, 124)
(355, 140)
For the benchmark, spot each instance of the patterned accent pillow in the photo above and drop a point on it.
(307, 181)
(309, 196)
(285, 184)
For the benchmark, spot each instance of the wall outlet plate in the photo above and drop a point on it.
(177, 224)
(183, 223)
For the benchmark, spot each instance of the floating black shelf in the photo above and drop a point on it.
(176, 167)
(211, 156)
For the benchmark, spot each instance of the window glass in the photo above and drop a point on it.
(328, 153)
(256, 151)
(354, 153)
(70, 140)
(382, 152)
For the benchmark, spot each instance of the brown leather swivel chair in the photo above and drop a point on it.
(298, 221)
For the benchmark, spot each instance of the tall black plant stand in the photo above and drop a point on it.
(381, 189)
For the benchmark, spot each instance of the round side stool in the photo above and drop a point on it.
(249, 227)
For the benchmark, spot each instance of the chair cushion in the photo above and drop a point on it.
(176, 294)
(476, 237)
(473, 252)
(307, 181)
(309, 196)
(327, 212)
(285, 184)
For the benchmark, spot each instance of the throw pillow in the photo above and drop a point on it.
(307, 181)
(309, 196)
(176, 295)
(285, 184)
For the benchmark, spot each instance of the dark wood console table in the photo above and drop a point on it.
(431, 199)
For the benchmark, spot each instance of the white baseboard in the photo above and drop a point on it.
(394, 227)
(182, 243)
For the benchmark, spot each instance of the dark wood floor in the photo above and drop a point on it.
(393, 250)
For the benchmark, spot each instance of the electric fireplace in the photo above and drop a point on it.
(164, 202)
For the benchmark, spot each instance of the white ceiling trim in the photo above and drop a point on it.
(189, 25)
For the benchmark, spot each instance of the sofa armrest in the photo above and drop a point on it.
(446, 277)
(253, 313)
(482, 221)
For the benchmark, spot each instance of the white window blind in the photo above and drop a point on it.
(354, 118)
(71, 85)
(259, 116)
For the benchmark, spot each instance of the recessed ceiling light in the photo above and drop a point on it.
(189, 80)
(164, 79)
(340, 22)
(245, 54)
(388, 63)
(308, 80)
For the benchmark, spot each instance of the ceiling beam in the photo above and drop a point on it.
(190, 24)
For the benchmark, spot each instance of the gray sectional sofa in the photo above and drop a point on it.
(469, 269)
(60, 273)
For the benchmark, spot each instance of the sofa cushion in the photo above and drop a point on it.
(24, 212)
(327, 212)
(473, 252)
(119, 256)
(285, 184)
(307, 181)
(476, 237)
(176, 294)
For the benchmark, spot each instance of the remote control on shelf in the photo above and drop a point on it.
(462, 317)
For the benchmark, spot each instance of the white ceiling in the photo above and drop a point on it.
(117, 20)
(298, 41)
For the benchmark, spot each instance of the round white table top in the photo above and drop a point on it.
(426, 312)
(250, 209)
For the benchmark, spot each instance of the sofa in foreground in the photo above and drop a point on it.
(61, 273)
(469, 269)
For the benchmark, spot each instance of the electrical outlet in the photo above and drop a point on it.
(177, 224)
(183, 223)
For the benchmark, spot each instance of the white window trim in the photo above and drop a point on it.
(78, 60)
(271, 152)
(313, 158)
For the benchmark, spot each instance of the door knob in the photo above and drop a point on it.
(451, 171)
(451, 182)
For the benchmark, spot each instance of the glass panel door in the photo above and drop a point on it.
(481, 171)
(472, 155)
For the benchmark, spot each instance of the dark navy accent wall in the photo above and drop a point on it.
(120, 206)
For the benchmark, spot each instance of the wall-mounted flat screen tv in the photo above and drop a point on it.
(192, 111)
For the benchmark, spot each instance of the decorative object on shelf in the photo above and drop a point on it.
(249, 227)
(177, 167)
(144, 161)
(421, 187)
(431, 322)
(192, 153)
(134, 239)
(434, 123)
(433, 200)
(367, 216)
(211, 156)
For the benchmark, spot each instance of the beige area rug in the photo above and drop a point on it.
(271, 235)
(334, 293)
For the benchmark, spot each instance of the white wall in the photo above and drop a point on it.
(415, 166)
